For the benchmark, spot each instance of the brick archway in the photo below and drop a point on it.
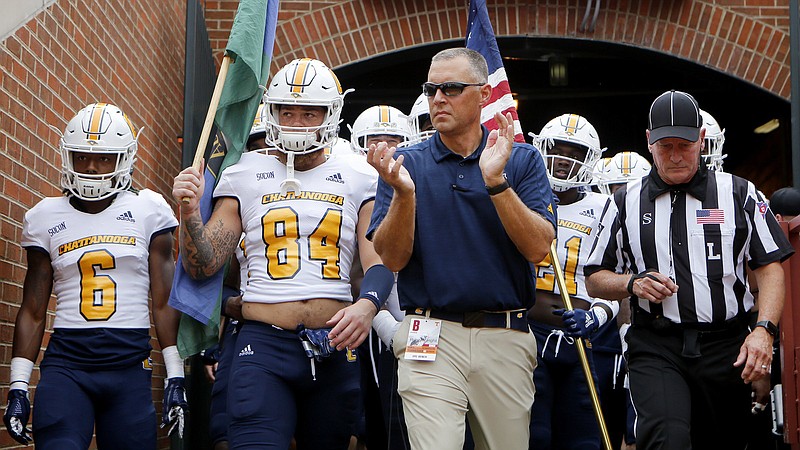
(748, 42)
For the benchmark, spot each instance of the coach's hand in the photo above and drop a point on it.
(579, 323)
(351, 325)
(498, 149)
(174, 406)
(391, 170)
(18, 411)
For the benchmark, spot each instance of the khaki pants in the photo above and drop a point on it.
(484, 374)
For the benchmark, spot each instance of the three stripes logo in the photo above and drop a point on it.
(588, 213)
(127, 216)
(247, 351)
(336, 178)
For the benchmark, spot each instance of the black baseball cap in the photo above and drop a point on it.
(675, 114)
(785, 201)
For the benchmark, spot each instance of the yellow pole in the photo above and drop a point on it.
(562, 287)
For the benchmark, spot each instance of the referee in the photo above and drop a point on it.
(679, 247)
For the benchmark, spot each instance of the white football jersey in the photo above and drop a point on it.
(100, 263)
(578, 227)
(299, 247)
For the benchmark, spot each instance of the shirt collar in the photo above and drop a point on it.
(440, 151)
(696, 187)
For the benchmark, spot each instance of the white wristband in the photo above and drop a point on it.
(173, 362)
(21, 369)
(601, 314)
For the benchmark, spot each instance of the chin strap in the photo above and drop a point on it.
(290, 183)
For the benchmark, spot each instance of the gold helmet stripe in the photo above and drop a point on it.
(384, 114)
(626, 163)
(96, 121)
(300, 73)
(572, 124)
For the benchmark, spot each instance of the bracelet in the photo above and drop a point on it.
(494, 190)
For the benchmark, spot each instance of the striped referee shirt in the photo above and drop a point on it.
(701, 234)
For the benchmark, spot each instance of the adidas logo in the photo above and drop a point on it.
(336, 178)
(588, 213)
(126, 216)
(247, 351)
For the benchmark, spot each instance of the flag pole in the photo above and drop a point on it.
(212, 112)
(562, 287)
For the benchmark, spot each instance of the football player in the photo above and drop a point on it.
(419, 121)
(303, 215)
(101, 248)
(380, 123)
(612, 173)
(570, 147)
(712, 144)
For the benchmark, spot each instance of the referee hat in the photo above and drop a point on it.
(786, 201)
(675, 114)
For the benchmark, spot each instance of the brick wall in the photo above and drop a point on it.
(745, 38)
(71, 54)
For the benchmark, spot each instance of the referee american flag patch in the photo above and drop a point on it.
(705, 216)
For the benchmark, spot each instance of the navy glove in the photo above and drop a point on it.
(578, 322)
(174, 406)
(18, 410)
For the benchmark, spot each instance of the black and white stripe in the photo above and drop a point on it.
(707, 261)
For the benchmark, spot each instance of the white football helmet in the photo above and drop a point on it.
(619, 169)
(420, 113)
(712, 144)
(258, 122)
(576, 130)
(98, 128)
(307, 82)
(375, 120)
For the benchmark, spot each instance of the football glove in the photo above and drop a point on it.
(578, 322)
(18, 411)
(174, 406)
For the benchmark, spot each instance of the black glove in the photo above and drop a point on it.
(18, 410)
(579, 322)
(174, 406)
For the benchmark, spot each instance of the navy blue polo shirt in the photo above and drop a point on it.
(462, 259)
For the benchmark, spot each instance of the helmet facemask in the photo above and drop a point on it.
(98, 128)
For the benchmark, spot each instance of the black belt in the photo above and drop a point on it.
(661, 324)
(513, 320)
(690, 333)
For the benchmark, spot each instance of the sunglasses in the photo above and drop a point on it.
(449, 88)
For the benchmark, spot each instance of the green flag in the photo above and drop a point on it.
(250, 46)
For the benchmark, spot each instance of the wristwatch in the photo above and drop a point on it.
(771, 328)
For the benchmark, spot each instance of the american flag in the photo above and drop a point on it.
(705, 216)
(480, 37)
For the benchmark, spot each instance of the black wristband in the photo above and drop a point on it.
(494, 190)
(635, 277)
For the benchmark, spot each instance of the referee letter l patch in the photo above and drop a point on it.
(710, 253)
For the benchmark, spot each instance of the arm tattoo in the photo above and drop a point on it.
(206, 248)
